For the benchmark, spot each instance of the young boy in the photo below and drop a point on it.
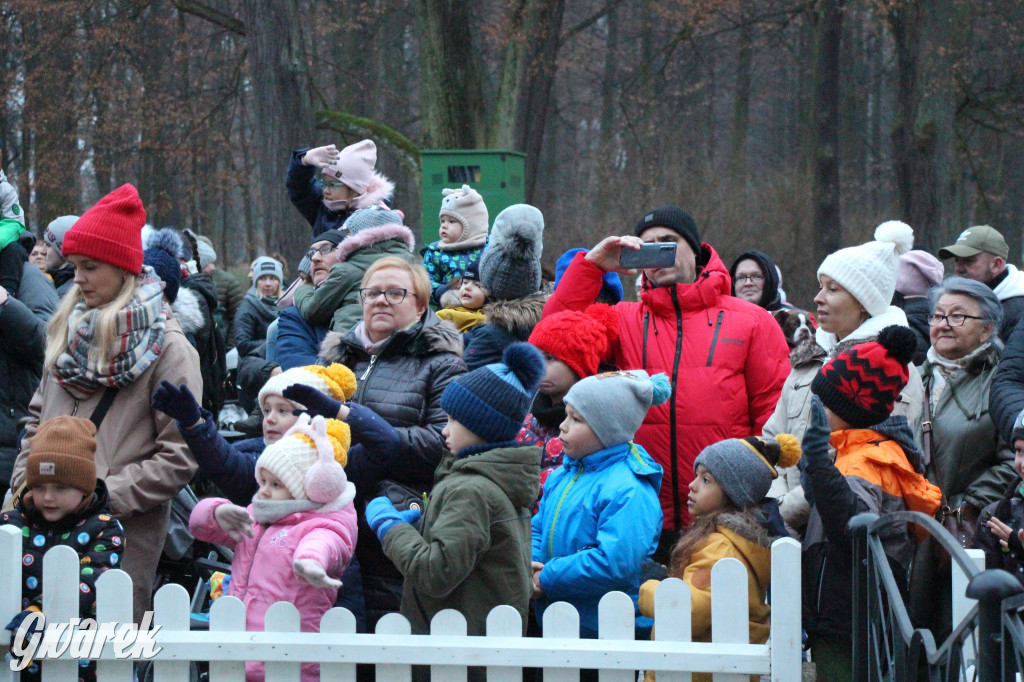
(463, 237)
(1002, 534)
(64, 504)
(464, 300)
(877, 469)
(599, 518)
(474, 550)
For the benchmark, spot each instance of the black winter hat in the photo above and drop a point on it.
(675, 219)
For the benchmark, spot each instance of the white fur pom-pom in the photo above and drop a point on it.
(897, 233)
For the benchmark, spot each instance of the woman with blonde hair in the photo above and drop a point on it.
(110, 344)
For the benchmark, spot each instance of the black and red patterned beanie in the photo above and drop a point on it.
(861, 385)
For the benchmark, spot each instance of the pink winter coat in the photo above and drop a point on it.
(261, 572)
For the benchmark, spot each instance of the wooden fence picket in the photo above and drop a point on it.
(342, 622)
(393, 624)
(114, 605)
(10, 574)
(504, 621)
(448, 622)
(616, 620)
(561, 621)
(672, 614)
(171, 607)
(227, 614)
(60, 602)
(730, 611)
(284, 617)
(786, 629)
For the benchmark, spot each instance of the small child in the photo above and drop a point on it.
(464, 300)
(230, 466)
(12, 224)
(726, 502)
(64, 504)
(474, 551)
(599, 518)
(297, 536)
(1002, 535)
(877, 469)
(463, 238)
(573, 344)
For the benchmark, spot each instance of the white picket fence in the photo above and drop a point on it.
(448, 650)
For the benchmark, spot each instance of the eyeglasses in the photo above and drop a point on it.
(322, 250)
(953, 319)
(392, 296)
(740, 279)
(332, 184)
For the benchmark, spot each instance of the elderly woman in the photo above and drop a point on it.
(108, 347)
(857, 284)
(403, 357)
(969, 460)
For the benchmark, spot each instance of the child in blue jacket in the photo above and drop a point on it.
(599, 517)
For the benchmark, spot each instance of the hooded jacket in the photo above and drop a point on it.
(1010, 292)
(336, 299)
(873, 472)
(726, 359)
(506, 322)
(262, 572)
(208, 340)
(254, 315)
(770, 297)
(474, 551)
(599, 520)
(793, 410)
(307, 195)
(444, 265)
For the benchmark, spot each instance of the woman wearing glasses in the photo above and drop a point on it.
(403, 358)
(755, 279)
(346, 182)
(853, 305)
(969, 461)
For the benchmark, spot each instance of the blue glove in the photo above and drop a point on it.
(35, 629)
(317, 404)
(382, 516)
(178, 403)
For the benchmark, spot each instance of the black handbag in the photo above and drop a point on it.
(403, 498)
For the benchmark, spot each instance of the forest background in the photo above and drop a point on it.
(790, 126)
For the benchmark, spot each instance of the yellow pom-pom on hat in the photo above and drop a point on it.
(336, 381)
(309, 460)
(789, 450)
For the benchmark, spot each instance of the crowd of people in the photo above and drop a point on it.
(457, 427)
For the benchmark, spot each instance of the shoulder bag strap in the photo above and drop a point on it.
(101, 409)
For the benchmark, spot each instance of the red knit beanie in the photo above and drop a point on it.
(580, 340)
(861, 385)
(110, 231)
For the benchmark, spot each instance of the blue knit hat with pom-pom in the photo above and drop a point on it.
(614, 404)
(493, 400)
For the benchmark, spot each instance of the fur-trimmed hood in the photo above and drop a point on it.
(519, 316)
(431, 335)
(746, 526)
(187, 312)
(374, 235)
(379, 189)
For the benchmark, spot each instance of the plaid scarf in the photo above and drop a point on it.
(140, 328)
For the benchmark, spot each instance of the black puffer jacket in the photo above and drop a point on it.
(209, 342)
(254, 315)
(403, 384)
(22, 345)
(1006, 399)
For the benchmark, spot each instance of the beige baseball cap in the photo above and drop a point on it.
(974, 240)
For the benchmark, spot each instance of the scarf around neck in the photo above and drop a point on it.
(140, 336)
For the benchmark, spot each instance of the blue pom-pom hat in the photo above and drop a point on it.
(614, 404)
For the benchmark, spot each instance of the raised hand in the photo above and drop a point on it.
(235, 521)
(321, 156)
(178, 403)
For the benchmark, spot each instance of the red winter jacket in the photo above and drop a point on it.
(727, 360)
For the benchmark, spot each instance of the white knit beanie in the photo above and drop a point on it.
(868, 271)
(310, 459)
(336, 381)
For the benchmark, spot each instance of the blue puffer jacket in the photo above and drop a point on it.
(297, 340)
(599, 519)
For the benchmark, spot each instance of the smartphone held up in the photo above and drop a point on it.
(649, 255)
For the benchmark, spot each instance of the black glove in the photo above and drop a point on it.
(817, 436)
(178, 403)
(652, 570)
(316, 402)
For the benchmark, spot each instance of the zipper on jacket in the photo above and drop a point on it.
(647, 316)
(714, 339)
(821, 583)
(676, 512)
(74, 410)
(558, 509)
(248, 571)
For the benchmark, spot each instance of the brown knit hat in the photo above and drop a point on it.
(63, 451)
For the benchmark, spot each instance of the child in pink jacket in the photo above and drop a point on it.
(298, 535)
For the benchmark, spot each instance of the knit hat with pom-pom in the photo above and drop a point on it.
(467, 207)
(614, 404)
(579, 339)
(510, 265)
(868, 271)
(161, 254)
(310, 459)
(745, 467)
(861, 384)
(493, 400)
(335, 380)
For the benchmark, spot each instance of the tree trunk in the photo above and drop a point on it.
(283, 115)
(741, 108)
(828, 36)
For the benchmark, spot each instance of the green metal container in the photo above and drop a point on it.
(497, 175)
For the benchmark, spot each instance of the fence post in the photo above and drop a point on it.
(859, 526)
(990, 588)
